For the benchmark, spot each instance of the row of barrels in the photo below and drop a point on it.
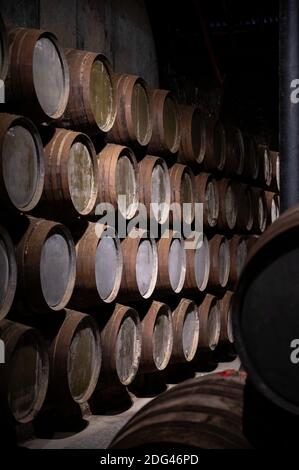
(69, 356)
(63, 177)
(51, 268)
(82, 93)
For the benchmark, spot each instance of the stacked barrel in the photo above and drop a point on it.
(89, 309)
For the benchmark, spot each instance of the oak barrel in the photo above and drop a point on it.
(171, 262)
(273, 207)
(154, 187)
(214, 160)
(166, 135)
(121, 345)
(37, 83)
(235, 153)
(193, 135)
(133, 123)
(198, 266)
(46, 262)
(226, 330)
(209, 325)
(183, 193)
(71, 178)
(185, 320)
(207, 192)
(4, 57)
(219, 262)
(8, 272)
(228, 205)
(91, 106)
(140, 269)
(22, 167)
(24, 375)
(238, 256)
(118, 176)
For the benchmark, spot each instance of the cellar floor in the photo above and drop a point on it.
(101, 429)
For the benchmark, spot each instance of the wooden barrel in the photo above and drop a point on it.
(21, 163)
(259, 211)
(235, 153)
(275, 165)
(99, 265)
(38, 76)
(154, 187)
(75, 359)
(46, 262)
(273, 207)
(209, 325)
(198, 266)
(216, 144)
(219, 262)
(71, 177)
(185, 332)
(121, 345)
(92, 100)
(166, 135)
(8, 272)
(183, 193)
(244, 195)
(171, 262)
(251, 168)
(4, 50)
(226, 330)
(207, 193)
(24, 375)
(157, 338)
(118, 176)
(228, 205)
(265, 312)
(140, 269)
(201, 413)
(133, 124)
(238, 256)
(193, 135)
(265, 165)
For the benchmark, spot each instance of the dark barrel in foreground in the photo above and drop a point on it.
(204, 413)
(265, 312)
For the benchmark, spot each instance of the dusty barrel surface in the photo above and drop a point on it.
(99, 265)
(75, 358)
(154, 187)
(209, 325)
(259, 210)
(31, 89)
(157, 338)
(133, 123)
(275, 165)
(118, 176)
(166, 135)
(207, 192)
(235, 153)
(226, 330)
(71, 176)
(238, 255)
(198, 266)
(273, 207)
(121, 345)
(185, 332)
(91, 105)
(24, 375)
(22, 163)
(251, 168)
(140, 269)
(193, 135)
(183, 193)
(46, 262)
(8, 272)
(4, 57)
(244, 194)
(265, 165)
(267, 295)
(228, 205)
(171, 262)
(219, 262)
(216, 143)
(182, 417)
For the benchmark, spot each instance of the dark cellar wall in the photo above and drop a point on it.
(119, 29)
